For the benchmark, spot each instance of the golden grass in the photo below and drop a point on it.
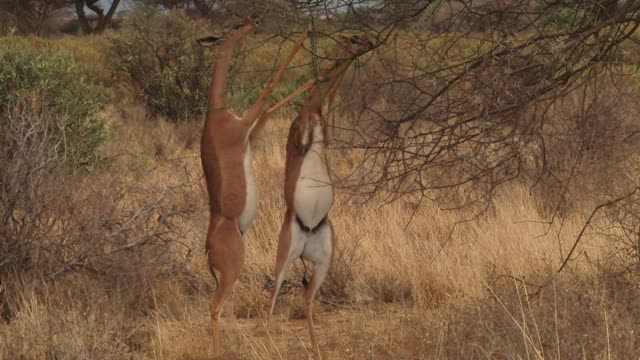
(415, 290)
(406, 276)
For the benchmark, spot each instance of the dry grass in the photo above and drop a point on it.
(400, 289)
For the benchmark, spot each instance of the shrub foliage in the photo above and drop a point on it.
(159, 52)
(50, 79)
(54, 221)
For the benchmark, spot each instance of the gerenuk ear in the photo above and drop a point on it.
(209, 41)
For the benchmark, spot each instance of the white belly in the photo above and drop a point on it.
(313, 196)
(251, 202)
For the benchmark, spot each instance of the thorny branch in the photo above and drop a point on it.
(462, 97)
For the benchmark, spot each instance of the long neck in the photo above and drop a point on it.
(328, 81)
(218, 90)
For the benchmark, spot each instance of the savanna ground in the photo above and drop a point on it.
(111, 263)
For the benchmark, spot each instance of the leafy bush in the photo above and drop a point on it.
(159, 52)
(94, 59)
(566, 18)
(52, 80)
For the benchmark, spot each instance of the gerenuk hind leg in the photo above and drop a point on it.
(289, 249)
(318, 250)
(226, 255)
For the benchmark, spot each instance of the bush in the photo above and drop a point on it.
(566, 18)
(57, 222)
(159, 52)
(93, 57)
(51, 80)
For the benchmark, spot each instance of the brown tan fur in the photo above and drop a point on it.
(225, 139)
(310, 114)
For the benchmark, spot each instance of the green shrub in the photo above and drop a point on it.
(178, 92)
(159, 52)
(49, 79)
(567, 18)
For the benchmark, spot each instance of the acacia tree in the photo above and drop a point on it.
(204, 7)
(461, 105)
(31, 15)
(103, 19)
(460, 97)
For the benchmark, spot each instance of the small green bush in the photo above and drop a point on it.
(178, 92)
(159, 53)
(567, 18)
(49, 79)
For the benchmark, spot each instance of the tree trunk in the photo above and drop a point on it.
(82, 17)
(106, 20)
(103, 20)
(91, 4)
(203, 7)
